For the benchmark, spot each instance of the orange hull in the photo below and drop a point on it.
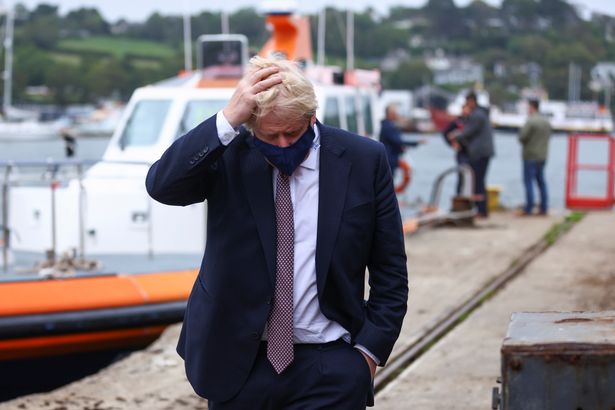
(51, 317)
(86, 342)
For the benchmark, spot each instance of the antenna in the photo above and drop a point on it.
(349, 40)
(225, 22)
(322, 22)
(8, 61)
(187, 38)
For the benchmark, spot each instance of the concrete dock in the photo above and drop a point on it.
(446, 267)
(578, 273)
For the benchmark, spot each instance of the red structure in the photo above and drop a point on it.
(573, 199)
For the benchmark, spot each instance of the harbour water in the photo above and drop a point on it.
(428, 161)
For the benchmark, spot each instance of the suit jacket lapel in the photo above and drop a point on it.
(333, 181)
(258, 183)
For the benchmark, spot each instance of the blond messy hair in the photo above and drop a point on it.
(294, 97)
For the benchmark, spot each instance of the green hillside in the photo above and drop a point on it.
(117, 46)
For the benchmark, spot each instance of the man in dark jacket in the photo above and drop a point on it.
(477, 139)
(296, 212)
(390, 136)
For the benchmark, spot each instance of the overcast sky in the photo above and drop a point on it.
(138, 10)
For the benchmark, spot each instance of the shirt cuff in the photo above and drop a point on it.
(226, 133)
(367, 352)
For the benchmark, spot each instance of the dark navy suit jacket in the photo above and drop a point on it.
(359, 226)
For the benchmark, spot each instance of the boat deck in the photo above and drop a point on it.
(23, 268)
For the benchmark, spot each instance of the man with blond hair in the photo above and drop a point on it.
(296, 212)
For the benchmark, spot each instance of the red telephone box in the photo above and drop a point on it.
(573, 199)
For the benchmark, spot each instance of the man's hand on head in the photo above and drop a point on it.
(242, 103)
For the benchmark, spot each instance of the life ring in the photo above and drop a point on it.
(406, 176)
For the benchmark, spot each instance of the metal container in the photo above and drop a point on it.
(559, 361)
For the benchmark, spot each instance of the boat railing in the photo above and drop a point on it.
(54, 174)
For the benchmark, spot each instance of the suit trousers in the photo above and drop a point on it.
(332, 375)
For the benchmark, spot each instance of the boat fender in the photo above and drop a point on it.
(406, 176)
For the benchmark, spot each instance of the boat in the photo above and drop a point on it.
(18, 124)
(99, 123)
(96, 263)
(568, 117)
(31, 130)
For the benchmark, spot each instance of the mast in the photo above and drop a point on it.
(187, 39)
(349, 40)
(574, 82)
(7, 75)
(225, 22)
(322, 16)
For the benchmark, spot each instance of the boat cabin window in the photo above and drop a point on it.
(198, 111)
(367, 115)
(351, 115)
(145, 122)
(332, 112)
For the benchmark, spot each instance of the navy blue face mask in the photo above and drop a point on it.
(287, 159)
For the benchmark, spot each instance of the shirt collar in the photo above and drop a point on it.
(311, 162)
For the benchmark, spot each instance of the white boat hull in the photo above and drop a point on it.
(562, 116)
(118, 218)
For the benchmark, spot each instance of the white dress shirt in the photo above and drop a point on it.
(310, 325)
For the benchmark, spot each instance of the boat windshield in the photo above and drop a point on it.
(145, 123)
(332, 112)
(367, 112)
(196, 112)
(351, 115)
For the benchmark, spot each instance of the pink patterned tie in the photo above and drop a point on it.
(280, 324)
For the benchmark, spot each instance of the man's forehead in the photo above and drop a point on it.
(278, 121)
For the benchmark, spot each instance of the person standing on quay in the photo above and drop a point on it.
(390, 136)
(297, 211)
(476, 138)
(534, 138)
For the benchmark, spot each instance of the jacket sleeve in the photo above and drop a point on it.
(388, 276)
(472, 128)
(186, 171)
(524, 133)
(391, 135)
(453, 125)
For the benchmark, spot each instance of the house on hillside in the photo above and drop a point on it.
(454, 70)
(603, 80)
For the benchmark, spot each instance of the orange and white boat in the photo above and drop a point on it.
(119, 266)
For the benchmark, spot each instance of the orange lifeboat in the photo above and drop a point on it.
(45, 317)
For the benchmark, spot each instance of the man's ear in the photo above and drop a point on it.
(313, 120)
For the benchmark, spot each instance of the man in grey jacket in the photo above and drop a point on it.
(477, 139)
(534, 137)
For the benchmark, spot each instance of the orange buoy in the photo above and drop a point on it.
(406, 176)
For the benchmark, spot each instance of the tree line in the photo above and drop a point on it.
(549, 34)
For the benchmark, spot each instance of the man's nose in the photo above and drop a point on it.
(283, 141)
